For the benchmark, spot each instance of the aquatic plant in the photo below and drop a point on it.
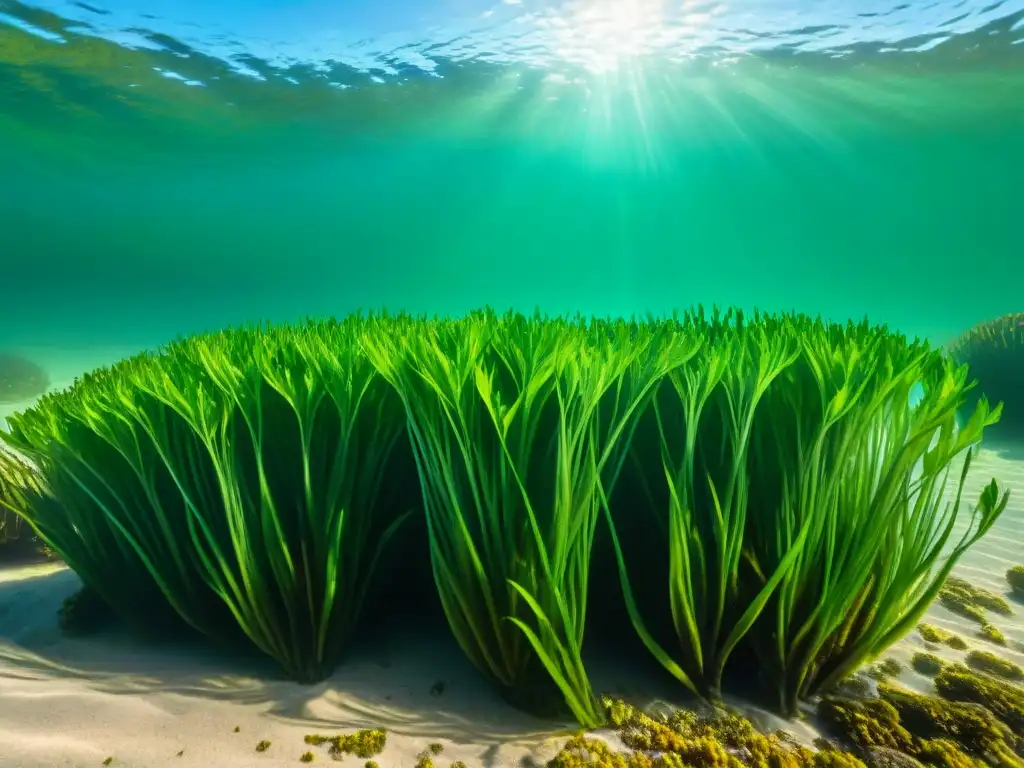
(17, 478)
(793, 495)
(926, 728)
(1015, 578)
(969, 601)
(994, 351)
(972, 728)
(240, 469)
(932, 634)
(20, 379)
(985, 661)
(992, 633)
(512, 429)
(1003, 698)
(927, 664)
(886, 669)
(794, 519)
(365, 744)
(718, 739)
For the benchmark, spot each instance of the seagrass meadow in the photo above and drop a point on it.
(765, 496)
(993, 350)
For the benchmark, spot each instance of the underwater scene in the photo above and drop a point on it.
(512, 383)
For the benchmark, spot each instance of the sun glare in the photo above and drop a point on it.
(601, 34)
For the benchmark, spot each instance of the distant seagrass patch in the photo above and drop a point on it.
(21, 379)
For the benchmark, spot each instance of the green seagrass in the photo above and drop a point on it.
(800, 498)
(994, 352)
(770, 489)
(237, 475)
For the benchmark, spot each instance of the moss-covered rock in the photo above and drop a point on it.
(685, 739)
(985, 661)
(927, 663)
(965, 599)
(932, 634)
(885, 669)
(865, 723)
(931, 730)
(959, 683)
(883, 757)
(944, 753)
(1015, 578)
(971, 727)
(992, 633)
(858, 686)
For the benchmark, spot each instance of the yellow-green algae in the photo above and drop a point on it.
(927, 663)
(965, 599)
(985, 661)
(885, 669)
(972, 728)
(932, 634)
(1015, 578)
(263, 746)
(17, 479)
(992, 633)
(307, 757)
(950, 735)
(685, 738)
(1005, 700)
(364, 744)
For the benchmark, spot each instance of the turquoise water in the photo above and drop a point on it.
(169, 167)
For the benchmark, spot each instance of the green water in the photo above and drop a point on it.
(134, 208)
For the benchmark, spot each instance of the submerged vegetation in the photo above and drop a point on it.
(891, 729)
(765, 484)
(994, 350)
(935, 731)
(21, 379)
(1015, 578)
(927, 664)
(994, 665)
(17, 478)
(971, 601)
(937, 635)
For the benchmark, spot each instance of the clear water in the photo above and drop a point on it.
(172, 166)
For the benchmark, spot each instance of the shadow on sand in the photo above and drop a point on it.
(414, 684)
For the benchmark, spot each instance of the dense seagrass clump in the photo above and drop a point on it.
(765, 483)
(801, 503)
(514, 421)
(994, 351)
(235, 478)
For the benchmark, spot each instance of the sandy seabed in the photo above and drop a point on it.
(77, 702)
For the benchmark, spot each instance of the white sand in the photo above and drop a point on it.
(68, 702)
(984, 565)
(75, 702)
